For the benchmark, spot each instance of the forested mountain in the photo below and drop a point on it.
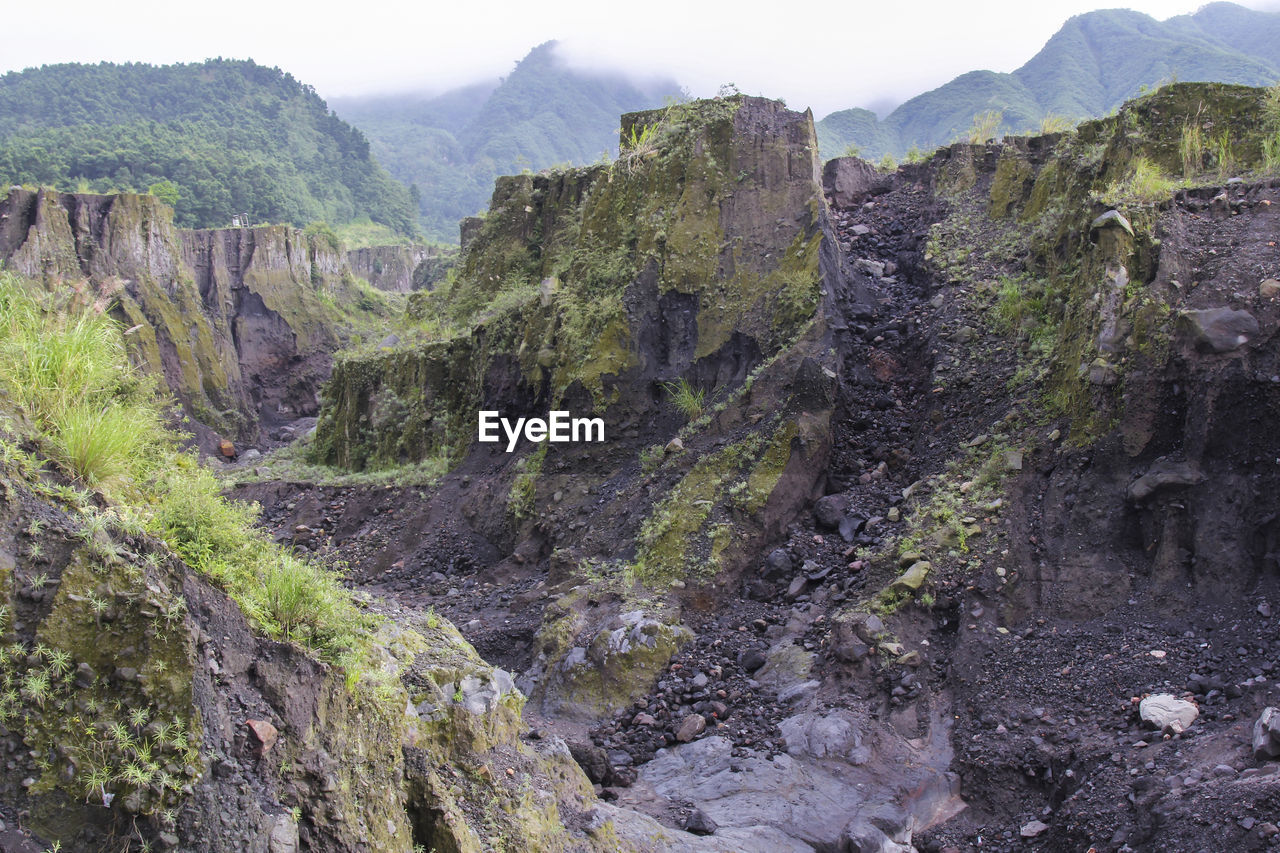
(452, 146)
(215, 139)
(1094, 63)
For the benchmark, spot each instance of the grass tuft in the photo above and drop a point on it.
(65, 371)
(687, 399)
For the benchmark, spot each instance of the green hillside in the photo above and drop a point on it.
(1092, 65)
(215, 139)
(451, 147)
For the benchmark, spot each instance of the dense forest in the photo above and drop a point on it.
(1092, 65)
(214, 139)
(453, 145)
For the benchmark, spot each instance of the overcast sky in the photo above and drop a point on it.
(826, 54)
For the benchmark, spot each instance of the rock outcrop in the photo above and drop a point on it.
(241, 323)
(699, 266)
(399, 269)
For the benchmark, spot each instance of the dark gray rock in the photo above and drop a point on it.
(752, 659)
(593, 760)
(850, 525)
(1266, 734)
(1219, 329)
(1165, 473)
(830, 511)
(699, 823)
(849, 181)
(778, 562)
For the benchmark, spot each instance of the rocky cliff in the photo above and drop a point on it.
(1038, 385)
(241, 323)
(399, 269)
(700, 264)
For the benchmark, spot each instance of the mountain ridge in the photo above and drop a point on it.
(212, 139)
(452, 146)
(1089, 67)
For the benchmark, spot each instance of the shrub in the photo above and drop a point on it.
(1191, 147)
(1054, 123)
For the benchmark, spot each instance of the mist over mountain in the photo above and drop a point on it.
(1092, 65)
(451, 146)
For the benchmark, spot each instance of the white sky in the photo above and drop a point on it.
(827, 54)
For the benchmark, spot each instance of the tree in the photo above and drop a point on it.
(167, 191)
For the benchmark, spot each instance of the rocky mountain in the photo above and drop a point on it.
(215, 140)
(932, 511)
(452, 146)
(1094, 63)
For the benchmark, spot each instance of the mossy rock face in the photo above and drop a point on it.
(472, 779)
(703, 254)
(239, 323)
(699, 253)
(1141, 349)
(130, 687)
(618, 664)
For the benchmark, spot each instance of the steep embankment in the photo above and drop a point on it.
(241, 322)
(704, 258)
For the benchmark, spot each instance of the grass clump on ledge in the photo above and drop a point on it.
(687, 399)
(68, 388)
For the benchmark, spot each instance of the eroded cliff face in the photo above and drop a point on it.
(1162, 324)
(703, 256)
(399, 269)
(1048, 484)
(240, 323)
(141, 709)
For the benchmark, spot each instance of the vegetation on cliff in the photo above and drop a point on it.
(71, 397)
(215, 139)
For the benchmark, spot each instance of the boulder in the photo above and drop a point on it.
(264, 734)
(850, 181)
(1167, 713)
(1266, 734)
(1219, 330)
(850, 525)
(593, 760)
(284, 835)
(690, 727)
(829, 511)
(778, 562)
(913, 578)
(699, 823)
(752, 659)
(1112, 219)
(1165, 473)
